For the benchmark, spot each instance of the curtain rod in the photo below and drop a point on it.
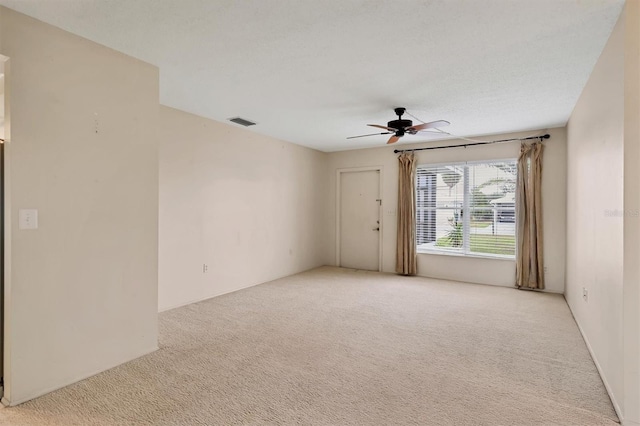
(546, 136)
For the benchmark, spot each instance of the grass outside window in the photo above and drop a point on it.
(485, 244)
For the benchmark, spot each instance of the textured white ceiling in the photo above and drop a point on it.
(313, 72)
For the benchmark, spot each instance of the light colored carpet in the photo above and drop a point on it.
(334, 346)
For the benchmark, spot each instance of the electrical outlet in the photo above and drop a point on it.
(585, 294)
(546, 269)
(205, 268)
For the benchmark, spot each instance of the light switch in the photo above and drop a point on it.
(28, 219)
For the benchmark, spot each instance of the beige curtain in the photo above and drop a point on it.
(406, 245)
(529, 263)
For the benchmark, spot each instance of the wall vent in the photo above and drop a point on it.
(242, 121)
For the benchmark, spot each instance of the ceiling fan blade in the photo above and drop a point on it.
(431, 125)
(431, 132)
(391, 129)
(393, 139)
(371, 134)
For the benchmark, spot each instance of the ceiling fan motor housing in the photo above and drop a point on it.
(399, 124)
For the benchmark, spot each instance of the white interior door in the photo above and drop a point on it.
(360, 220)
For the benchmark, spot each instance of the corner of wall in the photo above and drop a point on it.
(595, 197)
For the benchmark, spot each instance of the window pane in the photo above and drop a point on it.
(492, 200)
(439, 200)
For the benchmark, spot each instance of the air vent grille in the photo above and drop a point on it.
(242, 121)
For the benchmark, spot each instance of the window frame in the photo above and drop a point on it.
(464, 251)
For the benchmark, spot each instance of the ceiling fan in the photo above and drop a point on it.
(401, 127)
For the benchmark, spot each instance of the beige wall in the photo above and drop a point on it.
(475, 270)
(595, 206)
(81, 289)
(631, 279)
(1, 99)
(249, 206)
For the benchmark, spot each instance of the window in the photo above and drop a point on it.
(467, 208)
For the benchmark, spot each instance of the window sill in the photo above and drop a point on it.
(474, 256)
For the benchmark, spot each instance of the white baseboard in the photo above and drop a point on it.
(202, 299)
(211, 296)
(630, 423)
(13, 403)
(600, 372)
